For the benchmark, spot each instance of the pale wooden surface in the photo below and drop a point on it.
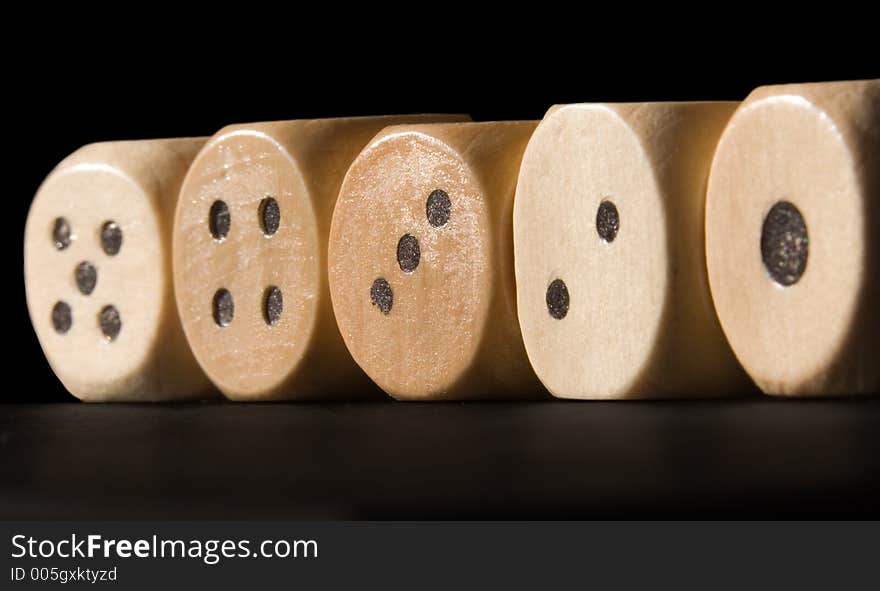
(301, 165)
(136, 185)
(640, 320)
(452, 331)
(818, 147)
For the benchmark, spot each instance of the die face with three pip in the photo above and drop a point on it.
(792, 235)
(250, 257)
(612, 293)
(97, 262)
(421, 262)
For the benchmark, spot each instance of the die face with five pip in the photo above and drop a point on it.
(612, 291)
(98, 272)
(793, 237)
(421, 262)
(250, 256)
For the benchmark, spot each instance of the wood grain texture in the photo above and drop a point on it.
(817, 147)
(451, 331)
(299, 164)
(640, 322)
(134, 184)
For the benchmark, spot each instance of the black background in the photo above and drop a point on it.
(754, 458)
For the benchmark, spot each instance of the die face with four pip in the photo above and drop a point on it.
(421, 262)
(613, 298)
(792, 235)
(250, 257)
(97, 263)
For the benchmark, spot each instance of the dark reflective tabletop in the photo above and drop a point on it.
(750, 458)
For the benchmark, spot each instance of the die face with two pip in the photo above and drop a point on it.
(421, 262)
(793, 237)
(98, 272)
(613, 298)
(250, 257)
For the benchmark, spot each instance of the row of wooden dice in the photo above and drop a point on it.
(608, 251)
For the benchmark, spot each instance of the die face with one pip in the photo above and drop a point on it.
(792, 234)
(612, 293)
(421, 262)
(250, 243)
(98, 272)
